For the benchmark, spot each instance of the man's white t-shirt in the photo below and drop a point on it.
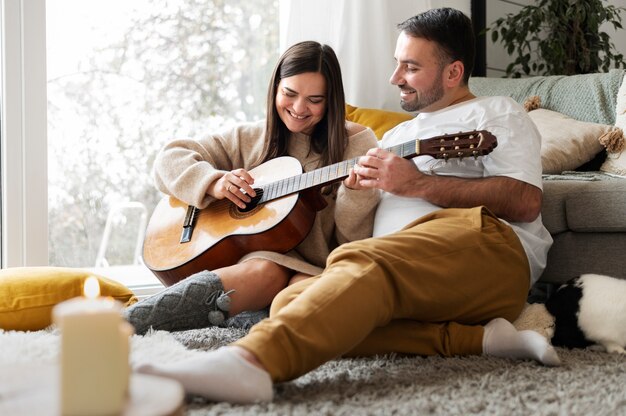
(517, 155)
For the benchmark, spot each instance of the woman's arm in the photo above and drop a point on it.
(187, 168)
(355, 208)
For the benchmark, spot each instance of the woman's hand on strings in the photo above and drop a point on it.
(235, 186)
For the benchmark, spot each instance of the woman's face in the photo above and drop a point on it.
(301, 101)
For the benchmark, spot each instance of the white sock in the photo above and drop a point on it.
(220, 375)
(501, 339)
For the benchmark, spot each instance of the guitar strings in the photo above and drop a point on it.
(294, 184)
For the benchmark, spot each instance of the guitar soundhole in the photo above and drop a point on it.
(239, 213)
(251, 207)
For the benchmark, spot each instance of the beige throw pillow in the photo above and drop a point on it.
(566, 143)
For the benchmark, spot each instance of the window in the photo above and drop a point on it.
(123, 78)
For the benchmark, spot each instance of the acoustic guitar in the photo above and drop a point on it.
(181, 239)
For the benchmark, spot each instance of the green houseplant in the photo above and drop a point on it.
(559, 37)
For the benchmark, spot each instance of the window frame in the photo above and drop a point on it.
(24, 134)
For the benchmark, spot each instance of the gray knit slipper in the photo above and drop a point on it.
(198, 301)
(247, 319)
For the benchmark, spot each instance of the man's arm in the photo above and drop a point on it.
(508, 198)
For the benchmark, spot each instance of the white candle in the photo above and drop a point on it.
(94, 354)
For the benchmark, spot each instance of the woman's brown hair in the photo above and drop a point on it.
(329, 137)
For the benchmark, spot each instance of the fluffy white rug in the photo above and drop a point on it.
(588, 382)
(43, 347)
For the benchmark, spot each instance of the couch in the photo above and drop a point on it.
(584, 207)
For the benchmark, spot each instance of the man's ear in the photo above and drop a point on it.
(454, 73)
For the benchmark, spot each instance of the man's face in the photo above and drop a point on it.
(418, 74)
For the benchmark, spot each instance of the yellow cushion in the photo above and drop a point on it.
(27, 294)
(378, 120)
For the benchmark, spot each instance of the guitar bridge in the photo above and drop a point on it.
(188, 224)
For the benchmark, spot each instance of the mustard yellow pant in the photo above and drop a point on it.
(424, 290)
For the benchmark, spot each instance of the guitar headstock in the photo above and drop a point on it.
(465, 144)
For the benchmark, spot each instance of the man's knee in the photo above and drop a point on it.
(359, 253)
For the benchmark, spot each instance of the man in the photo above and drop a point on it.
(458, 244)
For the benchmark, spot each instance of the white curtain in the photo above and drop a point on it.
(363, 34)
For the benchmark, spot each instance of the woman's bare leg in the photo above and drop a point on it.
(255, 283)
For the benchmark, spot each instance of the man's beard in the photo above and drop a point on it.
(428, 97)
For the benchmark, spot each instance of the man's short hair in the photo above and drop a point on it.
(451, 30)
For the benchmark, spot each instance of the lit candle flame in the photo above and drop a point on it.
(91, 288)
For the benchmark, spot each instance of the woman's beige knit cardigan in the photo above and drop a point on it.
(185, 169)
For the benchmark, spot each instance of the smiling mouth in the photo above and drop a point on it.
(297, 117)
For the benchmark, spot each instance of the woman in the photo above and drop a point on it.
(305, 120)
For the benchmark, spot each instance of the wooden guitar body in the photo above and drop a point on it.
(229, 233)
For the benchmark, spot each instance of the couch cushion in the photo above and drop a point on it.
(575, 253)
(566, 143)
(378, 120)
(587, 202)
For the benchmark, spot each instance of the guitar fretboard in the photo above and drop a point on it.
(406, 150)
(318, 177)
(475, 143)
(326, 175)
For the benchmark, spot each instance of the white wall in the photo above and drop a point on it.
(497, 58)
(363, 34)
(618, 38)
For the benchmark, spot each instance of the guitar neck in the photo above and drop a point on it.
(315, 178)
(327, 175)
(475, 143)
